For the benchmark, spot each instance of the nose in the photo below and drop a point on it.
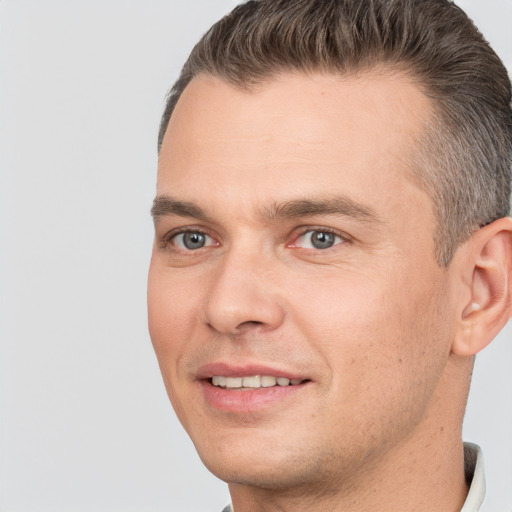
(244, 296)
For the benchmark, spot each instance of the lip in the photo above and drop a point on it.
(207, 371)
(247, 401)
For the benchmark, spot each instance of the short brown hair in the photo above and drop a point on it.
(465, 154)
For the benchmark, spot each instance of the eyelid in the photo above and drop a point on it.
(167, 239)
(297, 233)
(300, 232)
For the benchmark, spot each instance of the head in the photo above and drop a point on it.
(333, 180)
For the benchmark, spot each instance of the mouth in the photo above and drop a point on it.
(252, 382)
(249, 389)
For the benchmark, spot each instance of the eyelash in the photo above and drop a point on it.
(168, 238)
(320, 229)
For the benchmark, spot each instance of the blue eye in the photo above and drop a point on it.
(192, 240)
(318, 239)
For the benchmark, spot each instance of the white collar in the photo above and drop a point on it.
(474, 464)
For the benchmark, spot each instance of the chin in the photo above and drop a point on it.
(261, 465)
(266, 476)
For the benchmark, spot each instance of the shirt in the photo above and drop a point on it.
(474, 468)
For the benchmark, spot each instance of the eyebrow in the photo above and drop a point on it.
(164, 205)
(334, 205)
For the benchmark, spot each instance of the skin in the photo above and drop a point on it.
(371, 322)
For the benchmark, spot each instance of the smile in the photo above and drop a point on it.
(252, 382)
(250, 388)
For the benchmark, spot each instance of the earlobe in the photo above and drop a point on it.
(489, 264)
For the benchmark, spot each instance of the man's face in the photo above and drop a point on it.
(291, 244)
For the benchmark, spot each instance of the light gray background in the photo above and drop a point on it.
(85, 424)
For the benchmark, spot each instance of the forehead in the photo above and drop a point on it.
(296, 134)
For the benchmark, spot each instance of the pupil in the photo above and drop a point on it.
(193, 240)
(322, 240)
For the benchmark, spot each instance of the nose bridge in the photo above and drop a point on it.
(242, 292)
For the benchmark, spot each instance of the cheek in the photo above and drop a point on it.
(382, 339)
(171, 317)
(172, 306)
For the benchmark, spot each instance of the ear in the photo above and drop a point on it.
(487, 303)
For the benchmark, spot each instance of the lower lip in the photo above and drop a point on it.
(247, 401)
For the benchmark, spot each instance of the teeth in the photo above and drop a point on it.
(268, 382)
(233, 382)
(253, 381)
(219, 381)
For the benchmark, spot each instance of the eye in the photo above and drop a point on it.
(192, 240)
(317, 239)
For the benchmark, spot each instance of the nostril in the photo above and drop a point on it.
(250, 323)
(242, 327)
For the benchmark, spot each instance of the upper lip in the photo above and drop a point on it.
(210, 370)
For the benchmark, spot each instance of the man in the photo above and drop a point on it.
(332, 249)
